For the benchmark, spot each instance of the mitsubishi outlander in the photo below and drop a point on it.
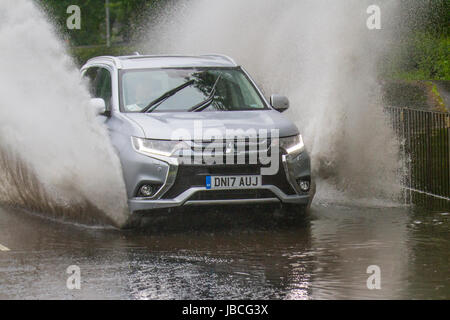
(196, 130)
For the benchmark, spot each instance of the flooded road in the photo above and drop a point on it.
(324, 255)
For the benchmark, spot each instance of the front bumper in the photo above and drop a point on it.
(184, 200)
(185, 186)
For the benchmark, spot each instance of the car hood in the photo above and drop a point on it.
(162, 126)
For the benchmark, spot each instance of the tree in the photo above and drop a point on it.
(126, 16)
(427, 16)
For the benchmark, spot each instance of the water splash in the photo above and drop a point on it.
(54, 156)
(320, 54)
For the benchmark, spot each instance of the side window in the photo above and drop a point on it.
(100, 84)
(91, 75)
(103, 86)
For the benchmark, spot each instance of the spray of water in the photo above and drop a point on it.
(54, 156)
(321, 54)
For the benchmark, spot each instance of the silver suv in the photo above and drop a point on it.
(196, 130)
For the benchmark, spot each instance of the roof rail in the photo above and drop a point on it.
(136, 55)
(115, 60)
(221, 56)
(118, 64)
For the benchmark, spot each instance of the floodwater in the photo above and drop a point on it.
(232, 254)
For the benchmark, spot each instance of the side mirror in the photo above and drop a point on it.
(98, 105)
(279, 103)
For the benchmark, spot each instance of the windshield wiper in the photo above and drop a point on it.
(154, 104)
(205, 104)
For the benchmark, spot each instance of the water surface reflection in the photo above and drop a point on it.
(234, 255)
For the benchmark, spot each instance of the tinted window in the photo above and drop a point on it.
(90, 75)
(100, 84)
(104, 86)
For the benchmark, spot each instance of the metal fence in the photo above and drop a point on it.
(425, 143)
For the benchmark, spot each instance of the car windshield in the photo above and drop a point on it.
(172, 90)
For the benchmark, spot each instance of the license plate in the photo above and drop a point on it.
(233, 182)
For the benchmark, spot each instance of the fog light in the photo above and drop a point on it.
(304, 185)
(146, 190)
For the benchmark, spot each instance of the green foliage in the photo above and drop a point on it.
(126, 16)
(429, 16)
(421, 56)
(437, 99)
(422, 51)
(431, 55)
(92, 20)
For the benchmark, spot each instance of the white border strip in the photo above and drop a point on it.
(3, 248)
(428, 194)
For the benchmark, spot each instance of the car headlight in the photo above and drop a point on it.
(292, 145)
(165, 148)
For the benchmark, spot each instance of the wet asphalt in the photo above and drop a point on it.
(232, 253)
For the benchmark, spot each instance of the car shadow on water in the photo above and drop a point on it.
(217, 219)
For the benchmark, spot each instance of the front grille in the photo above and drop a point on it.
(226, 151)
(244, 144)
(195, 176)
